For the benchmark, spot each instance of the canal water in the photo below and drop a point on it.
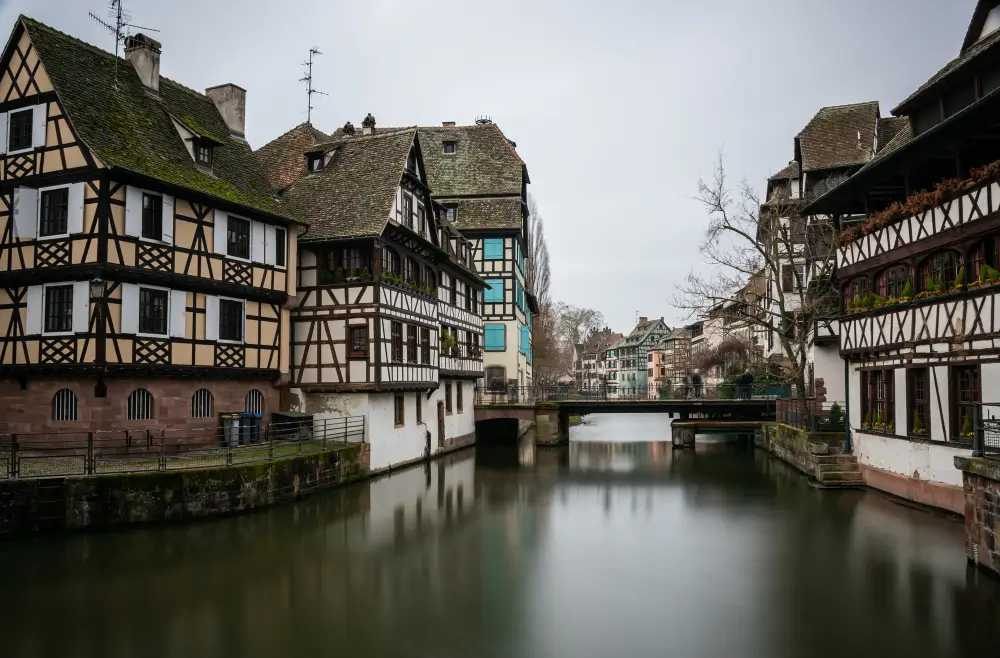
(615, 546)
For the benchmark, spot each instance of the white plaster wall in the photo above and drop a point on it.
(455, 424)
(926, 461)
(939, 414)
(990, 373)
(828, 365)
(392, 445)
(899, 384)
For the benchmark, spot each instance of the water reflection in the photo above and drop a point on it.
(611, 546)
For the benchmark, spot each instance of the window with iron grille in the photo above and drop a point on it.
(20, 130)
(397, 341)
(279, 247)
(64, 405)
(398, 409)
(59, 308)
(917, 416)
(201, 403)
(139, 405)
(411, 343)
(54, 212)
(425, 346)
(238, 237)
(152, 216)
(966, 396)
(254, 402)
(359, 342)
(152, 311)
(231, 320)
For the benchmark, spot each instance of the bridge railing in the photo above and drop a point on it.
(813, 415)
(553, 393)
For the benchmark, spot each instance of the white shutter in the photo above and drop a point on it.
(3, 133)
(75, 212)
(211, 317)
(36, 307)
(270, 242)
(130, 309)
(81, 306)
(256, 241)
(133, 211)
(25, 211)
(39, 125)
(220, 233)
(178, 313)
(168, 219)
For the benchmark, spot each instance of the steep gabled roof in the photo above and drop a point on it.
(488, 213)
(643, 329)
(788, 173)
(893, 133)
(839, 136)
(353, 194)
(484, 161)
(129, 129)
(283, 158)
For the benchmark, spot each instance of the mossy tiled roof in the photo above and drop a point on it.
(487, 213)
(130, 129)
(284, 158)
(839, 136)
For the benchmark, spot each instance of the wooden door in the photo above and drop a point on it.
(441, 424)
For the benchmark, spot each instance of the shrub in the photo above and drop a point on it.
(836, 415)
(960, 278)
(908, 289)
(966, 426)
(868, 419)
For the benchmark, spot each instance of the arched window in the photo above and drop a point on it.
(942, 268)
(64, 405)
(139, 405)
(890, 282)
(201, 403)
(390, 261)
(411, 270)
(857, 289)
(982, 253)
(254, 402)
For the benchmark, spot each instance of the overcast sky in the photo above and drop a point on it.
(618, 108)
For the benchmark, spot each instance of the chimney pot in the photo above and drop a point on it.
(231, 101)
(447, 124)
(143, 53)
(368, 125)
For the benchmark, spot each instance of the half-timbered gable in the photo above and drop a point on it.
(138, 235)
(460, 308)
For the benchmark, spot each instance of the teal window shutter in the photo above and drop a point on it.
(524, 340)
(495, 338)
(493, 248)
(493, 294)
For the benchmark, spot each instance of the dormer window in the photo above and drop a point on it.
(449, 213)
(316, 161)
(449, 148)
(203, 154)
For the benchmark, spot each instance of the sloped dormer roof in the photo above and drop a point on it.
(283, 159)
(129, 129)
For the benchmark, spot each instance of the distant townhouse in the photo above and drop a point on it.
(145, 265)
(612, 360)
(633, 350)
(670, 362)
(604, 361)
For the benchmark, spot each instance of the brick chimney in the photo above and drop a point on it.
(368, 125)
(144, 55)
(447, 124)
(643, 320)
(231, 101)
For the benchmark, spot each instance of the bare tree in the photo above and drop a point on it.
(537, 276)
(576, 325)
(746, 238)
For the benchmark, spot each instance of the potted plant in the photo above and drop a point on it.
(959, 283)
(448, 342)
(966, 431)
(907, 293)
(918, 425)
(867, 422)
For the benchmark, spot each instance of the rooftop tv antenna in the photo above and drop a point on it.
(120, 29)
(308, 79)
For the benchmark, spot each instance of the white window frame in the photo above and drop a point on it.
(6, 137)
(163, 218)
(45, 296)
(38, 213)
(138, 310)
(228, 341)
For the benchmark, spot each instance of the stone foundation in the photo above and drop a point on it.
(817, 454)
(924, 492)
(551, 425)
(981, 486)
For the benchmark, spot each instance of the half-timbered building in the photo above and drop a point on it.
(143, 260)
(387, 320)
(633, 351)
(917, 263)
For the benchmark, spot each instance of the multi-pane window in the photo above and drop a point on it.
(879, 399)
(857, 289)
(316, 162)
(231, 320)
(397, 342)
(941, 268)
(54, 212)
(425, 345)
(359, 342)
(407, 210)
(450, 213)
(410, 270)
(421, 220)
(280, 247)
(20, 130)
(152, 311)
(428, 279)
(470, 296)
(918, 418)
(390, 261)
(64, 405)
(203, 154)
(967, 394)
(890, 282)
(152, 216)
(59, 308)
(983, 253)
(238, 237)
(793, 277)
(447, 397)
(411, 343)
(398, 408)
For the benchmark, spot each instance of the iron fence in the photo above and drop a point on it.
(986, 440)
(50, 454)
(554, 393)
(813, 415)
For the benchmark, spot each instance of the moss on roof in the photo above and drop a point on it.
(839, 136)
(487, 213)
(130, 129)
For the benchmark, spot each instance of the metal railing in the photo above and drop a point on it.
(986, 439)
(813, 415)
(51, 454)
(624, 393)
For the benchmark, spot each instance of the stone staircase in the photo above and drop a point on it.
(840, 471)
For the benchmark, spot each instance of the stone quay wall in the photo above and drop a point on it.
(981, 483)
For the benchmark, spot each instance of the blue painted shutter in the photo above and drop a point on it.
(494, 339)
(524, 340)
(495, 292)
(493, 248)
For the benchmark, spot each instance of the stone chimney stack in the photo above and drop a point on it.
(368, 125)
(144, 55)
(447, 124)
(231, 101)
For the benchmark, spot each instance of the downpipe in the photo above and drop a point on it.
(847, 403)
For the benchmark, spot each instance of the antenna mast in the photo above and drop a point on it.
(120, 29)
(308, 79)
